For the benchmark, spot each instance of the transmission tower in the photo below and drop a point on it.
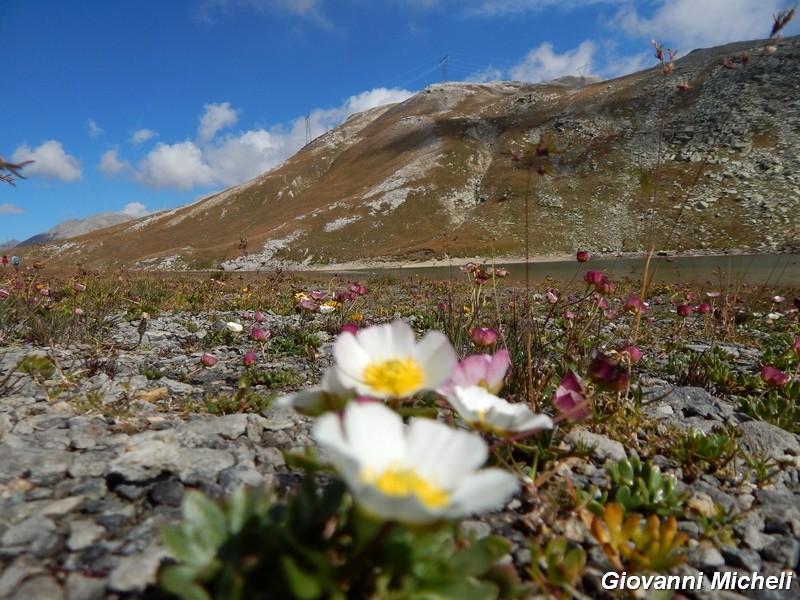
(308, 129)
(443, 66)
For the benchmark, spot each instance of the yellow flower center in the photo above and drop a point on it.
(397, 377)
(398, 481)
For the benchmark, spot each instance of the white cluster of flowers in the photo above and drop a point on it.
(426, 471)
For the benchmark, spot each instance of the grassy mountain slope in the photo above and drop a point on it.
(433, 175)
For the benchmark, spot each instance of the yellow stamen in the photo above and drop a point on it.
(399, 481)
(398, 377)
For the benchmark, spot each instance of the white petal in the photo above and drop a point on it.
(535, 421)
(351, 360)
(467, 412)
(387, 341)
(375, 433)
(443, 454)
(486, 490)
(438, 357)
(407, 509)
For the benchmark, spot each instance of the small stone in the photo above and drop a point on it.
(83, 533)
(39, 586)
(168, 492)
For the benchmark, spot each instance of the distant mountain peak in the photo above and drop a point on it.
(75, 227)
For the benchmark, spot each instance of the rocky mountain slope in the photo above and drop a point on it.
(75, 227)
(434, 175)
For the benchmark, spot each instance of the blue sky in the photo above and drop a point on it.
(147, 105)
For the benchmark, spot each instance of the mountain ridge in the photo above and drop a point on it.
(435, 175)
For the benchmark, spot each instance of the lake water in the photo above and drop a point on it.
(758, 269)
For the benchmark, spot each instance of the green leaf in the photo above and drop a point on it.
(240, 509)
(479, 557)
(185, 548)
(180, 580)
(205, 518)
(307, 461)
(463, 589)
(303, 585)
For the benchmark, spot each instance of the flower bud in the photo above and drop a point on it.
(483, 337)
(208, 360)
(774, 376)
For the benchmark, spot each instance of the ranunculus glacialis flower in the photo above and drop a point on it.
(386, 361)
(486, 412)
(570, 398)
(420, 474)
(774, 376)
(485, 370)
(234, 326)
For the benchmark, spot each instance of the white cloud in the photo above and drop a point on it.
(215, 118)
(135, 209)
(493, 8)
(111, 165)
(240, 158)
(50, 161)
(94, 129)
(690, 24)
(307, 9)
(543, 64)
(235, 158)
(178, 166)
(11, 209)
(142, 135)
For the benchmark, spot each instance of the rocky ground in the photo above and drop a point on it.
(89, 473)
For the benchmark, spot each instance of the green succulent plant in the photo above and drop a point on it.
(641, 488)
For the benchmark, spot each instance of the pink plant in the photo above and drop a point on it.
(702, 309)
(774, 376)
(634, 305)
(605, 286)
(259, 317)
(79, 287)
(634, 353)
(307, 304)
(4, 293)
(796, 346)
(684, 310)
(582, 256)
(485, 370)
(349, 328)
(208, 360)
(260, 335)
(570, 399)
(608, 372)
(249, 359)
(483, 337)
(593, 277)
(317, 295)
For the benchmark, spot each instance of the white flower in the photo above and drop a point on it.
(424, 473)
(329, 396)
(234, 326)
(326, 309)
(482, 409)
(385, 361)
